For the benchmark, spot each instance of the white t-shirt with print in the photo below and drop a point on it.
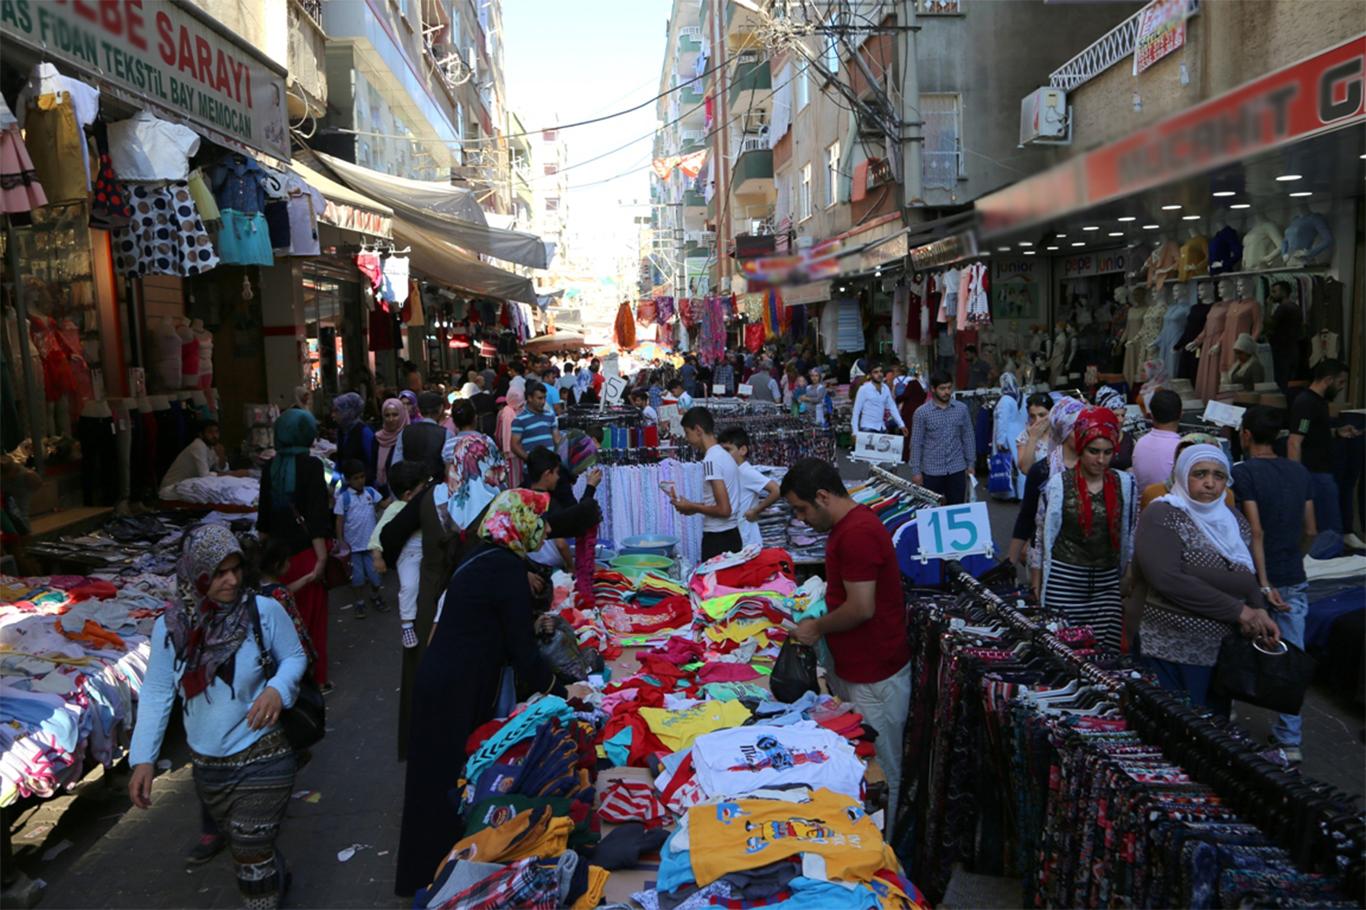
(744, 759)
(718, 465)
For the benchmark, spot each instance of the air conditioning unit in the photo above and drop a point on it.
(1043, 118)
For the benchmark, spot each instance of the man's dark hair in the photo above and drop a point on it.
(970, 349)
(700, 418)
(675, 383)
(516, 366)
(405, 476)
(1264, 423)
(538, 461)
(809, 476)
(939, 377)
(1039, 400)
(429, 404)
(1165, 406)
(637, 394)
(532, 387)
(734, 436)
(205, 424)
(1328, 368)
(1283, 284)
(351, 467)
(462, 413)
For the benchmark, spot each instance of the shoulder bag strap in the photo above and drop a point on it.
(266, 660)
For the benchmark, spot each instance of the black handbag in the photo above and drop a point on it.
(305, 724)
(1272, 679)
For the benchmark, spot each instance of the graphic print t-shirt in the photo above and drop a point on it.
(745, 759)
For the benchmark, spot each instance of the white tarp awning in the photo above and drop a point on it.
(449, 212)
(345, 208)
(443, 262)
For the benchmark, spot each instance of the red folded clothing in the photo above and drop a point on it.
(722, 671)
(771, 561)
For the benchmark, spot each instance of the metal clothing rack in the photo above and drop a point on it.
(922, 495)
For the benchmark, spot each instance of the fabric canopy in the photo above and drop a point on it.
(443, 262)
(560, 341)
(448, 212)
(345, 207)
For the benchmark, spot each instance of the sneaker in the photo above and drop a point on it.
(360, 609)
(1293, 754)
(1353, 541)
(206, 848)
(327, 687)
(378, 603)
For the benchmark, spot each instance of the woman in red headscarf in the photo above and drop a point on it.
(1084, 533)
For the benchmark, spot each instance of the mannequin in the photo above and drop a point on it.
(189, 356)
(1133, 331)
(166, 353)
(1225, 251)
(1244, 315)
(1284, 326)
(1152, 321)
(1307, 238)
(1194, 256)
(1163, 264)
(1262, 246)
(204, 338)
(1208, 343)
(1057, 357)
(1173, 325)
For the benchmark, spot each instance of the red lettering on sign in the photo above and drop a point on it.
(165, 44)
(85, 10)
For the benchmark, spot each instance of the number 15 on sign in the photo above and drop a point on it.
(952, 532)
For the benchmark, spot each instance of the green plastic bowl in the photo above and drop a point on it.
(640, 562)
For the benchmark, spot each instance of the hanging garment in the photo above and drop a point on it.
(203, 197)
(664, 310)
(1306, 239)
(974, 299)
(57, 143)
(394, 286)
(754, 337)
(1225, 251)
(1194, 259)
(901, 303)
(1262, 246)
(625, 327)
(165, 235)
(82, 102)
(238, 183)
(645, 312)
(712, 342)
(244, 238)
(109, 204)
(305, 204)
(205, 342)
(20, 191)
(145, 147)
(369, 266)
(1163, 264)
(189, 358)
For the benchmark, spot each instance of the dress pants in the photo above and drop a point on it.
(99, 460)
(953, 487)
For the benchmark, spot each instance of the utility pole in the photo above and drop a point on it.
(912, 138)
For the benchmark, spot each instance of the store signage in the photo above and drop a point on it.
(1161, 30)
(802, 294)
(952, 532)
(883, 448)
(1224, 415)
(612, 390)
(945, 251)
(169, 54)
(1324, 93)
(889, 250)
(1088, 264)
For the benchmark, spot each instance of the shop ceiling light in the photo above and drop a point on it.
(1116, 234)
(1222, 193)
(1050, 248)
(1091, 227)
(1190, 217)
(1301, 194)
(1171, 208)
(1151, 227)
(1003, 249)
(1287, 178)
(1127, 218)
(1031, 252)
(1078, 243)
(1060, 236)
(1031, 243)
(1241, 205)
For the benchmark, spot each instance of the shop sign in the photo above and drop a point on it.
(802, 294)
(1318, 95)
(889, 250)
(1016, 289)
(880, 448)
(1085, 265)
(945, 250)
(169, 54)
(1161, 30)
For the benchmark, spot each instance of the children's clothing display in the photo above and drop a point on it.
(146, 148)
(165, 235)
(20, 191)
(54, 111)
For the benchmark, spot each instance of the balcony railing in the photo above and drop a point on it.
(1114, 46)
(314, 9)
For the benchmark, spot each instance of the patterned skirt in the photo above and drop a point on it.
(1087, 596)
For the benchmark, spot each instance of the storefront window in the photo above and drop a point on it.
(323, 302)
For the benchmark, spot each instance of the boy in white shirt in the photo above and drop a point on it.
(720, 487)
(355, 511)
(757, 492)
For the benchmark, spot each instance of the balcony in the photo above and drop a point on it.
(691, 96)
(687, 45)
(693, 199)
(742, 27)
(750, 86)
(752, 177)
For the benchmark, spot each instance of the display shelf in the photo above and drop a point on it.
(1279, 270)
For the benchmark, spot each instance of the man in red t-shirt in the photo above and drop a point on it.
(865, 628)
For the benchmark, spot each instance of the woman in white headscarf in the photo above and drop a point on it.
(1009, 418)
(1196, 576)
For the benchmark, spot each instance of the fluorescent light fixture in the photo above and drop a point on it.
(1091, 227)
(1301, 194)
(1031, 252)
(1060, 236)
(1003, 249)
(1031, 243)
(1171, 208)
(1190, 217)
(1116, 234)
(1151, 227)
(1287, 178)
(1050, 248)
(1241, 205)
(1222, 193)
(1078, 243)
(1127, 218)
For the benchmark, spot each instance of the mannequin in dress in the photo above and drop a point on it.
(1133, 328)
(1307, 238)
(1208, 344)
(1244, 316)
(1057, 356)
(1225, 251)
(1262, 246)
(1163, 264)
(1173, 325)
(1194, 257)
(1187, 358)
(1152, 320)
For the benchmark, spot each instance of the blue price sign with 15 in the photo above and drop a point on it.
(950, 532)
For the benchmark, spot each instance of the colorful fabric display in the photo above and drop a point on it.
(632, 801)
(741, 760)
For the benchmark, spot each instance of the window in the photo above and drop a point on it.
(832, 45)
(938, 7)
(803, 88)
(548, 135)
(551, 169)
(943, 155)
(832, 174)
(804, 194)
(552, 203)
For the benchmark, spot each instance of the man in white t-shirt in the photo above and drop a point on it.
(757, 492)
(720, 487)
(201, 458)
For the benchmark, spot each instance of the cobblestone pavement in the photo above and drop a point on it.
(121, 857)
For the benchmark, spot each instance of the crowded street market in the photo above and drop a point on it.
(905, 511)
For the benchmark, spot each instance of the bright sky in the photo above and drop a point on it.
(570, 60)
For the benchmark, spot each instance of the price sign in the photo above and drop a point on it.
(884, 448)
(1225, 415)
(952, 532)
(719, 389)
(613, 388)
(744, 390)
(670, 417)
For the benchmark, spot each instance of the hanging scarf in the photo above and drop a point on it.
(1214, 519)
(1110, 397)
(203, 633)
(1010, 386)
(1062, 417)
(1098, 423)
(514, 521)
(348, 406)
(295, 431)
(1155, 372)
(387, 439)
(476, 472)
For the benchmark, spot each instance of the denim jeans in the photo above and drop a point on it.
(363, 569)
(1286, 730)
(1328, 518)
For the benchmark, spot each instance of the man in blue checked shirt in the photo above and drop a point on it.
(942, 446)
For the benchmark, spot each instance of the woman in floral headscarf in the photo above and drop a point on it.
(486, 625)
(1113, 399)
(1061, 419)
(1008, 422)
(1083, 536)
(205, 652)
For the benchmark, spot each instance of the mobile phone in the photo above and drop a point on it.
(668, 487)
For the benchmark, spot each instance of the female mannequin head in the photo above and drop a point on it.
(1205, 291)
(1226, 289)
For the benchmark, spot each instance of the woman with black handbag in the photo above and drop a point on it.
(1197, 576)
(236, 663)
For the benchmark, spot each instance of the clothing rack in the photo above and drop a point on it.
(1320, 827)
(922, 495)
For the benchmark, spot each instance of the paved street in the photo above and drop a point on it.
(120, 857)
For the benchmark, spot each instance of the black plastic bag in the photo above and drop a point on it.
(560, 648)
(794, 674)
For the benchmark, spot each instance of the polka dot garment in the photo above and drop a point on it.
(165, 235)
